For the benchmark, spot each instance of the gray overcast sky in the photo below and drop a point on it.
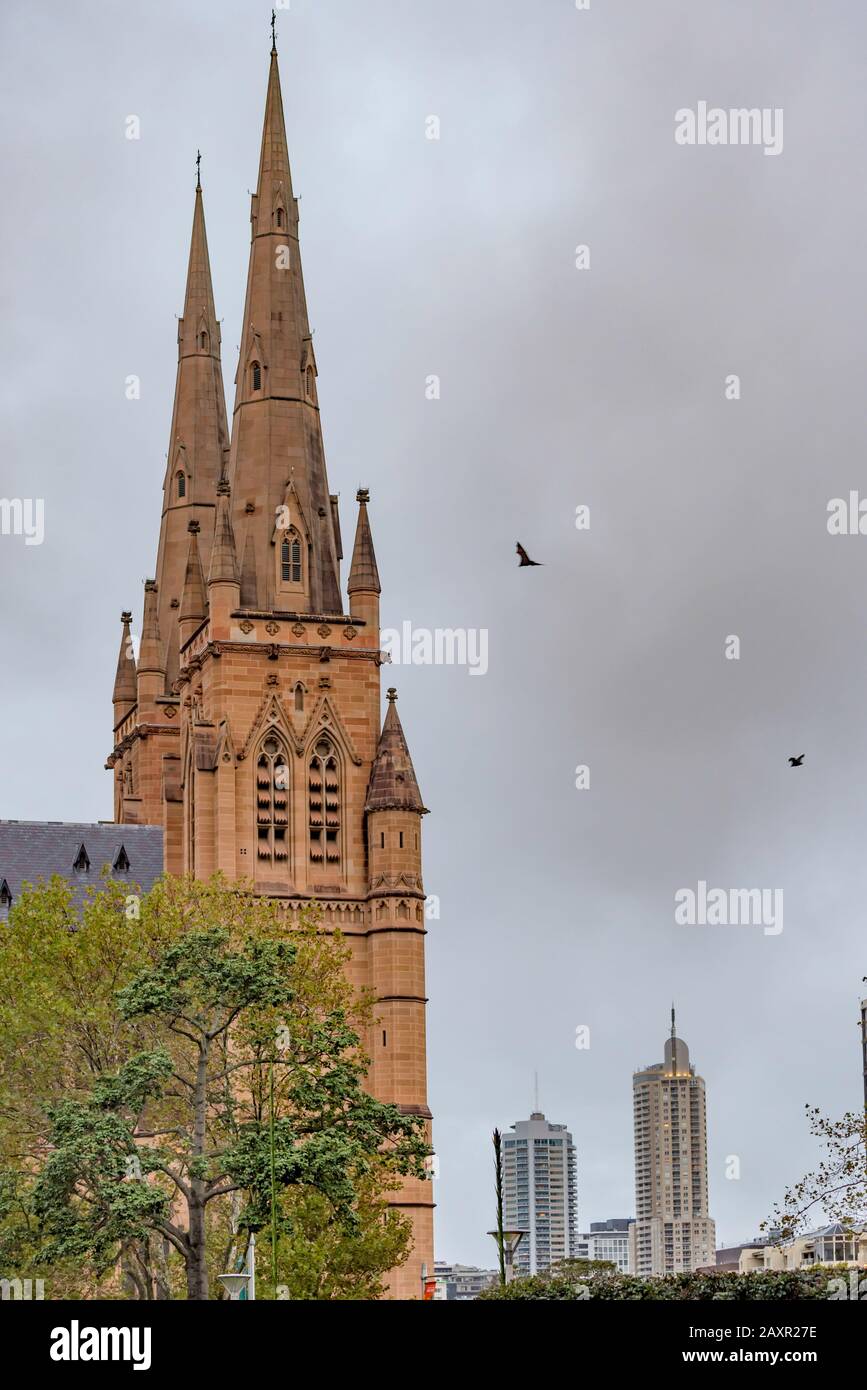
(559, 387)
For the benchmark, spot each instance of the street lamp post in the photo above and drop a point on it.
(511, 1239)
(235, 1285)
(240, 1284)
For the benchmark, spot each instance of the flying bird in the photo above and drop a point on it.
(796, 762)
(525, 559)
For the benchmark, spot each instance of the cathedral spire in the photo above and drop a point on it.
(199, 433)
(276, 435)
(124, 695)
(198, 329)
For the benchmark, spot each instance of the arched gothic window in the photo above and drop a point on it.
(279, 217)
(290, 559)
(256, 376)
(299, 696)
(203, 341)
(311, 384)
(272, 802)
(182, 485)
(324, 806)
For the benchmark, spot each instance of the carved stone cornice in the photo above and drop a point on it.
(396, 885)
(141, 731)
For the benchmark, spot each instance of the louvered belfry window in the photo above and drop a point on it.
(272, 803)
(324, 805)
(290, 559)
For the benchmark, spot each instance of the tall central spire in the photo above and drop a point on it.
(277, 470)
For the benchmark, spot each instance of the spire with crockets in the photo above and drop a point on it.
(198, 441)
(277, 468)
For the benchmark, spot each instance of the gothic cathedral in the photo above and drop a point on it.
(249, 727)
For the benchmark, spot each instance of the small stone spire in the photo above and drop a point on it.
(150, 656)
(363, 573)
(393, 785)
(124, 696)
(224, 562)
(194, 605)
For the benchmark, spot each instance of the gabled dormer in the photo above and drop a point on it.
(180, 475)
(121, 862)
(279, 213)
(254, 368)
(290, 541)
(203, 334)
(309, 373)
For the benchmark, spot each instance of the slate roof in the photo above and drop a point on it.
(31, 851)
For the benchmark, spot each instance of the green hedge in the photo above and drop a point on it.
(768, 1284)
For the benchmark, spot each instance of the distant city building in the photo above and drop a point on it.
(540, 1192)
(459, 1283)
(728, 1257)
(831, 1245)
(606, 1240)
(673, 1231)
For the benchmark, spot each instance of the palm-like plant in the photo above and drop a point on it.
(498, 1180)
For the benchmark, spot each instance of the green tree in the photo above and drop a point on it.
(320, 1258)
(59, 1030)
(194, 1112)
(152, 1120)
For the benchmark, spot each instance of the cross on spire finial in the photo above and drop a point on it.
(198, 168)
(273, 31)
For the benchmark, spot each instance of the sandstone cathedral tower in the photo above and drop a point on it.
(249, 727)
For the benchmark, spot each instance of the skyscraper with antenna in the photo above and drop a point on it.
(540, 1190)
(673, 1231)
